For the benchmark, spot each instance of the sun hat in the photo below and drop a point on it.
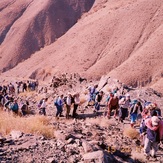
(155, 120)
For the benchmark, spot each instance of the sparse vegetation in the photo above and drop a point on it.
(102, 122)
(83, 99)
(131, 133)
(34, 124)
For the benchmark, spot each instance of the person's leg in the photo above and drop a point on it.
(120, 114)
(98, 107)
(109, 112)
(57, 113)
(154, 149)
(147, 146)
(74, 111)
(44, 111)
(67, 111)
(115, 112)
(89, 100)
(133, 119)
(60, 111)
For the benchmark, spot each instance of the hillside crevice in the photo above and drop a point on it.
(7, 28)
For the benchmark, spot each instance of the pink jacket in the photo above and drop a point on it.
(148, 123)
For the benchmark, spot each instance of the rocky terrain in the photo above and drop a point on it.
(69, 45)
(89, 138)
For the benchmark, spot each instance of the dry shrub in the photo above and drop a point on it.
(102, 122)
(108, 89)
(131, 133)
(85, 92)
(34, 124)
(83, 99)
(27, 94)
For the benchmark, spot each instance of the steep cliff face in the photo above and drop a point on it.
(29, 25)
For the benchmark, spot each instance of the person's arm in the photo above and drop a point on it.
(141, 108)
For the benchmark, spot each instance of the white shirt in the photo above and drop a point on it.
(43, 105)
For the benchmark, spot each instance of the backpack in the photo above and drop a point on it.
(13, 106)
(56, 103)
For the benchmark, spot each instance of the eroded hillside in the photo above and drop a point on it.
(121, 38)
(27, 26)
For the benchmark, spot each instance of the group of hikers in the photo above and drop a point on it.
(9, 96)
(60, 101)
(148, 114)
(118, 104)
(17, 87)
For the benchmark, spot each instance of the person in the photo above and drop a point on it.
(154, 108)
(17, 88)
(153, 131)
(68, 105)
(92, 94)
(124, 106)
(11, 88)
(59, 105)
(24, 107)
(113, 105)
(98, 100)
(134, 109)
(24, 87)
(43, 106)
(14, 107)
(76, 104)
(1, 100)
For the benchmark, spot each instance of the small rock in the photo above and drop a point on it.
(99, 155)
(70, 141)
(87, 147)
(16, 134)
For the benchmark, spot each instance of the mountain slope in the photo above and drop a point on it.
(118, 38)
(29, 25)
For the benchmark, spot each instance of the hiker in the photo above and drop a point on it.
(24, 87)
(98, 100)
(124, 106)
(68, 105)
(134, 109)
(153, 108)
(17, 88)
(59, 105)
(24, 107)
(36, 85)
(43, 106)
(1, 100)
(11, 88)
(92, 94)
(14, 107)
(76, 104)
(113, 105)
(7, 101)
(4, 90)
(153, 131)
